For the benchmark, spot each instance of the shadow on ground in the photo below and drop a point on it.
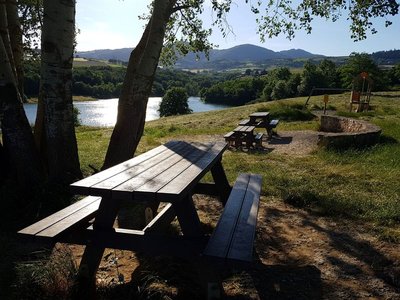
(352, 264)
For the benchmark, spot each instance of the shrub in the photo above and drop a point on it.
(174, 102)
(293, 112)
(76, 112)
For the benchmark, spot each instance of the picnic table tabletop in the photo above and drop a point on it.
(260, 114)
(244, 129)
(165, 173)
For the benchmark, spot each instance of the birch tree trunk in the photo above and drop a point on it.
(18, 143)
(60, 146)
(137, 85)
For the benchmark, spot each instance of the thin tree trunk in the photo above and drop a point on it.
(15, 31)
(18, 142)
(137, 86)
(58, 35)
(3, 163)
(5, 35)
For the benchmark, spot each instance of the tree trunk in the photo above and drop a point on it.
(58, 35)
(18, 142)
(14, 28)
(137, 85)
(4, 164)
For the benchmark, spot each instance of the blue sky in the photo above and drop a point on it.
(112, 24)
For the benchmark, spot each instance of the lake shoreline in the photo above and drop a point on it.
(103, 112)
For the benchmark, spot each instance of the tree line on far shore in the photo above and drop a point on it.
(233, 88)
(283, 83)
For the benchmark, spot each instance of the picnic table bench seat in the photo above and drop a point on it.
(233, 237)
(258, 139)
(232, 241)
(52, 227)
(244, 122)
(230, 138)
(271, 125)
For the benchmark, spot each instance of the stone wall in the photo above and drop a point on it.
(341, 133)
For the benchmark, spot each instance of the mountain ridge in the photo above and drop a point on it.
(242, 53)
(240, 56)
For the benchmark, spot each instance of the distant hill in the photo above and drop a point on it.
(242, 57)
(390, 57)
(106, 54)
(219, 59)
(297, 53)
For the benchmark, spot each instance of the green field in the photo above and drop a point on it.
(83, 62)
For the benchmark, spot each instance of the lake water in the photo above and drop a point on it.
(104, 112)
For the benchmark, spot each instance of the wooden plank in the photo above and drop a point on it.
(249, 129)
(158, 182)
(138, 241)
(86, 213)
(188, 179)
(147, 181)
(241, 247)
(142, 170)
(229, 134)
(82, 186)
(260, 114)
(56, 217)
(239, 129)
(218, 245)
(244, 122)
(162, 220)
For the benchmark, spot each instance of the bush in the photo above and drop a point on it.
(77, 121)
(293, 112)
(174, 102)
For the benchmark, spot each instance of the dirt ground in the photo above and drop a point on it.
(298, 255)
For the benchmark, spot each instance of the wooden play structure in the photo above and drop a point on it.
(361, 93)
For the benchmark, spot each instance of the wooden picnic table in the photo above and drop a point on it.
(170, 173)
(256, 117)
(244, 134)
(261, 120)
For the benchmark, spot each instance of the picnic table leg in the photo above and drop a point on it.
(269, 132)
(188, 217)
(221, 181)
(93, 253)
(249, 140)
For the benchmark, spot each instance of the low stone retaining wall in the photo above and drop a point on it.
(340, 132)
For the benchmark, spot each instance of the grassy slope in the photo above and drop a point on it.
(354, 184)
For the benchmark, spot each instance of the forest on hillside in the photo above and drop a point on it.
(234, 88)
